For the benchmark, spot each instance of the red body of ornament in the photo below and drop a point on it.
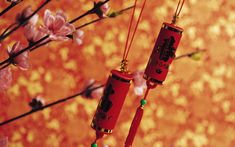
(111, 102)
(163, 53)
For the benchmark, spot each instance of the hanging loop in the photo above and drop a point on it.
(130, 37)
(177, 11)
(150, 84)
(123, 65)
(129, 31)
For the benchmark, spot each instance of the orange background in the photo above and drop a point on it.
(194, 108)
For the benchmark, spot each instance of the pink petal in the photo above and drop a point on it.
(53, 37)
(3, 142)
(49, 22)
(65, 30)
(79, 41)
(13, 0)
(27, 11)
(58, 23)
(77, 36)
(71, 26)
(61, 14)
(41, 99)
(22, 61)
(139, 91)
(138, 78)
(14, 49)
(46, 14)
(48, 19)
(79, 33)
(44, 30)
(9, 50)
(105, 8)
(5, 78)
(33, 20)
(38, 35)
(29, 31)
(139, 83)
(58, 38)
(97, 93)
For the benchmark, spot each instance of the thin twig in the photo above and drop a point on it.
(123, 10)
(9, 27)
(6, 65)
(99, 19)
(190, 54)
(91, 22)
(89, 12)
(44, 43)
(25, 49)
(34, 46)
(13, 4)
(23, 22)
(49, 105)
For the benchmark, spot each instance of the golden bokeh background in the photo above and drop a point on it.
(194, 108)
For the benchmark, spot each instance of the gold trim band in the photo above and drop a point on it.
(107, 131)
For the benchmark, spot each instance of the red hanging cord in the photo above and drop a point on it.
(129, 29)
(177, 11)
(138, 116)
(134, 126)
(136, 26)
(128, 44)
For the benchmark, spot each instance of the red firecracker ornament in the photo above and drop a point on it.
(163, 53)
(111, 102)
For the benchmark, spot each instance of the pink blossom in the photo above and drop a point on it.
(5, 78)
(56, 26)
(4, 142)
(21, 60)
(37, 103)
(15, 1)
(41, 99)
(32, 34)
(105, 9)
(78, 36)
(97, 93)
(20, 17)
(139, 83)
(89, 92)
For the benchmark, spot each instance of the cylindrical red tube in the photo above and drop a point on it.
(111, 102)
(163, 53)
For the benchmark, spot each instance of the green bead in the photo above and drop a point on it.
(143, 102)
(94, 145)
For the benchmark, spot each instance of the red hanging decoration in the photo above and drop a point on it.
(138, 116)
(158, 65)
(163, 53)
(112, 101)
(164, 50)
(134, 126)
(115, 92)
